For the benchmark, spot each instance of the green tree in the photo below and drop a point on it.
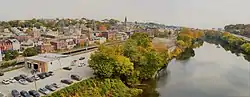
(108, 62)
(246, 48)
(142, 39)
(30, 52)
(38, 25)
(10, 54)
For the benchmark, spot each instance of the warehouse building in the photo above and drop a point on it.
(48, 62)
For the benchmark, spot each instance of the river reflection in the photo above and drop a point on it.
(212, 72)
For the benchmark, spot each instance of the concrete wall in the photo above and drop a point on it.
(57, 64)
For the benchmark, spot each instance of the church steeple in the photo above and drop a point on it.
(125, 24)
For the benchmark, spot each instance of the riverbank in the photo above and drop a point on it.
(211, 72)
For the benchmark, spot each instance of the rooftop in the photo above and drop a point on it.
(47, 57)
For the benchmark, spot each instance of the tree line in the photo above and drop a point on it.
(240, 29)
(233, 41)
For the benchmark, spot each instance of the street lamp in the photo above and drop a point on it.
(34, 72)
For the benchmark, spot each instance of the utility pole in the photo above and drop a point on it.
(34, 72)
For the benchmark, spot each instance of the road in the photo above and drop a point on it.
(246, 38)
(84, 72)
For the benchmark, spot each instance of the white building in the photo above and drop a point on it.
(48, 62)
(15, 44)
(1, 57)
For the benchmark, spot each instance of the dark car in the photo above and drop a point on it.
(51, 73)
(34, 93)
(41, 75)
(50, 87)
(17, 78)
(67, 81)
(23, 76)
(30, 79)
(67, 68)
(82, 58)
(55, 85)
(1, 74)
(15, 93)
(76, 77)
(25, 94)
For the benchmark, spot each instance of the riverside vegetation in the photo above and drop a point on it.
(119, 69)
(229, 42)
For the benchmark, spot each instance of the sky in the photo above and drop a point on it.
(189, 13)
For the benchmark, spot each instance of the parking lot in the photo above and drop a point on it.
(84, 72)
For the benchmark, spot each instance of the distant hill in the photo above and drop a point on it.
(239, 29)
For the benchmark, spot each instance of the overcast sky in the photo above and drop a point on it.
(191, 13)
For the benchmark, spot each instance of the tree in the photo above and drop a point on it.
(109, 62)
(30, 52)
(246, 48)
(142, 39)
(38, 25)
(10, 54)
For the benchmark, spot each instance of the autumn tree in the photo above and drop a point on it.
(30, 52)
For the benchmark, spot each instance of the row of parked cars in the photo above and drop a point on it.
(45, 90)
(30, 93)
(49, 88)
(24, 79)
(73, 77)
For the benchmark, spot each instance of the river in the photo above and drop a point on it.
(212, 72)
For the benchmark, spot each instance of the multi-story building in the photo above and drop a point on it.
(15, 44)
(5, 45)
(45, 48)
(27, 44)
(59, 44)
(108, 35)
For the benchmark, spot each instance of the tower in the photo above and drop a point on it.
(125, 24)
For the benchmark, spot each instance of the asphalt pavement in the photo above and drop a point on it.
(85, 72)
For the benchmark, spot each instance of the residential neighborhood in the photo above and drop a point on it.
(55, 35)
(47, 46)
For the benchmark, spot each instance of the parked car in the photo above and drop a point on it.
(67, 68)
(15, 93)
(82, 58)
(75, 77)
(30, 79)
(47, 74)
(12, 80)
(2, 95)
(50, 87)
(55, 85)
(67, 81)
(1, 74)
(23, 76)
(23, 82)
(51, 73)
(34, 93)
(41, 75)
(6, 81)
(25, 94)
(80, 65)
(17, 78)
(35, 77)
(44, 91)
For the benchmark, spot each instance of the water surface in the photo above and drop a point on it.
(212, 72)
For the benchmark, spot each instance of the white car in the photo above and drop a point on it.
(12, 80)
(6, 82)
(23, 81)
(2, 95)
